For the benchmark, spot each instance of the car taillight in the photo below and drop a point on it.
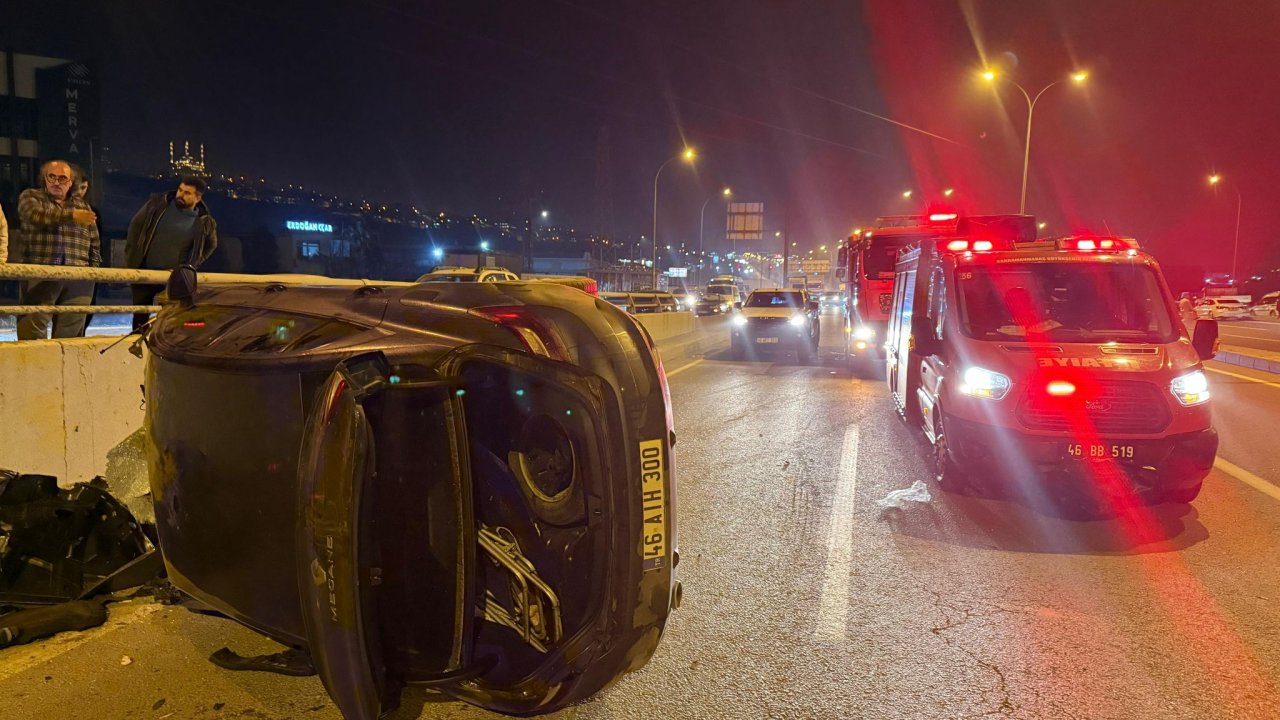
(538, 336)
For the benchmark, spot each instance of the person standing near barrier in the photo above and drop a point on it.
(4, 237)
(80, 191)
(57, 229)
(171, 229)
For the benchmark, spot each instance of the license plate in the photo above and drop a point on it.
(653, 494)
(1100, 451)
(766, 340)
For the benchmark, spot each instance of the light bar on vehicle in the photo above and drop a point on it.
(1093, 244)
(969, 246)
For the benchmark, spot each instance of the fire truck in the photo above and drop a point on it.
(866, 260)
(1052, 368)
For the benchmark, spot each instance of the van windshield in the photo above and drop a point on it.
(1064, 302)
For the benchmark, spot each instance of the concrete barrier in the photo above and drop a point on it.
(662, 326)
(64, 405)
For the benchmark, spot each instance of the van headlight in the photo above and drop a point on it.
(983, 383)
(739, 320)
(1191, 389)
(798, 320)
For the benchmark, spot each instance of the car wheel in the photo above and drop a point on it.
(946, 472)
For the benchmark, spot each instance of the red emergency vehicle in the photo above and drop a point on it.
(866, 263)
(1054, 365)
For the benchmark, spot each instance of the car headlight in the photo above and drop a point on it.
(798, 320)
(724, 306)
(1191, 389)
(739, 320)
(983, 383)
(864, 332)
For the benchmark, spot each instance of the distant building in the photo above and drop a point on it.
(187, 165)
(48, 109)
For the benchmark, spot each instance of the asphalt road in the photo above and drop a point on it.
(805, 599)
(1259, 334)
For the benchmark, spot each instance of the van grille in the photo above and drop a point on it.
(1121, 406)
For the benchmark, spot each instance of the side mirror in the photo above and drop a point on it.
(1205, 339)
(926, 343)
(737, 306)
(182, 284)
(842, 262)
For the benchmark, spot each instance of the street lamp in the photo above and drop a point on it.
(726, 194)
(991, 76)
(688, 155)
(1214, 179)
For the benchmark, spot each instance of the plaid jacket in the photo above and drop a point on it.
(50, 237)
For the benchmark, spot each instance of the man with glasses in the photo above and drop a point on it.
(171, 229)
(57, 229)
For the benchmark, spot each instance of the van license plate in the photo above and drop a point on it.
(766, 340)
(1100, 451)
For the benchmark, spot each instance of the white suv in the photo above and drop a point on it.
(469, 274)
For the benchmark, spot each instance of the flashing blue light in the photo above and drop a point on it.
(484, 245)
(308, 226)
(437, 253)
(394, 379)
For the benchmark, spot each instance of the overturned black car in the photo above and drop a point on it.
(467, 486)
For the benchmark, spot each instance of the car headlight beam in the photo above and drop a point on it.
(982, 383)
(798, 320)
(739, 320)
(1191, 389)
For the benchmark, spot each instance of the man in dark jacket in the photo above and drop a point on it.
(171, 229)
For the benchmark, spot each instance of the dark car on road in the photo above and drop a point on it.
(465, 486)
(776, 318)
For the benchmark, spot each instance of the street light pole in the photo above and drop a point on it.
(688, 156)
(726, 194)
(1235, 252)
(990, 76)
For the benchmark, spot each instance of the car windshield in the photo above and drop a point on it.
(450, 277)
(723, 290)
(775, 299)
(879, 259)
(1067, 302)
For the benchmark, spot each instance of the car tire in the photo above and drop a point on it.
(948, 474)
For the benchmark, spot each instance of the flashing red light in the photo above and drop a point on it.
(958, 246)
(1060, 388)
(942, 217)
(1089, 244)
(982, 245)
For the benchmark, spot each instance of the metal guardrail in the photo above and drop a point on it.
(19, 271)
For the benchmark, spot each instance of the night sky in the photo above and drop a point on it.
(496, 107)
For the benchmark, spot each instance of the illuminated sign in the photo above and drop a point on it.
(677, 272)
(308, 226)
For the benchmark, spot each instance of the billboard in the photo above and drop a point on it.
(745, 221)
(67, 98)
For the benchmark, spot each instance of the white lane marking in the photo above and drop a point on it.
(833, 606)
(1247, 478)
(682, 368)
(1242, 377)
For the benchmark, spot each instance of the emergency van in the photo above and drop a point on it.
(1055, 366)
